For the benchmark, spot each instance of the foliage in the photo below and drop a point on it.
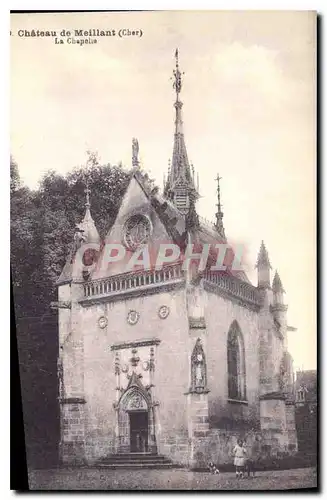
(43, 223)
(42, 229)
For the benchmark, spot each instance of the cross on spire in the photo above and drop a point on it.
(87, 191)
(219, 206)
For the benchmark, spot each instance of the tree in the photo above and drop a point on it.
(42, 229)
(25, 243)
(63, 198)
(14, 176)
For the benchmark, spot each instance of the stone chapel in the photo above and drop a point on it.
(169, 366)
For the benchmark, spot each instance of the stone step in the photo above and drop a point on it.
(135, 460)
(136, 465)
(144, 458)
(136, 455)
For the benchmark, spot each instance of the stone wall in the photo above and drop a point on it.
(291, 426)
(176, 447)
(218, 446)
(72, 432)
(181, 428)
(171, 373)
(220, 314)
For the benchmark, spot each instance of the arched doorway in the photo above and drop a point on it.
(135, 421)
(139, 431)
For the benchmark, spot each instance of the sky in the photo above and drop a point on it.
(249, 113)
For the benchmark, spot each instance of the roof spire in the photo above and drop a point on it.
(180, 183)
(277, 283)
(263, 266)
(263, 259)
(87, 226)
(220, 214)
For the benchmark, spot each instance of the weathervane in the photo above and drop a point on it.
(177, 85)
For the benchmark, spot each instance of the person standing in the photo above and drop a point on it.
(253, 458)
(239, 453)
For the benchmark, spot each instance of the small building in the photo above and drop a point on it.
(306, 411)
(170, 360)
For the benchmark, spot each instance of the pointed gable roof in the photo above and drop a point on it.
(87, 226)
(173, 221)
(134, 386)
(88, 234)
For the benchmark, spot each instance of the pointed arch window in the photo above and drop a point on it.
(236, 364)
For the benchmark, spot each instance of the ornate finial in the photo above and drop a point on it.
(220, 214)
(117, 364)
(192, 168)
(177, 85)
(263, 259)
(277, 284)
(135, 152)
(218, 179)
(169, 172)
(134, 360)
(152, 363)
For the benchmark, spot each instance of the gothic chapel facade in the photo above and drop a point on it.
(170, 365)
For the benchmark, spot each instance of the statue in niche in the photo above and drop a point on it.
(198, 368)
(135, 152)
(196, 299)
(199, 371)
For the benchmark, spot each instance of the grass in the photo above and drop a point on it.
(171, 479)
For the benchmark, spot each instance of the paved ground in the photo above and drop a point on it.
(171, 479)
